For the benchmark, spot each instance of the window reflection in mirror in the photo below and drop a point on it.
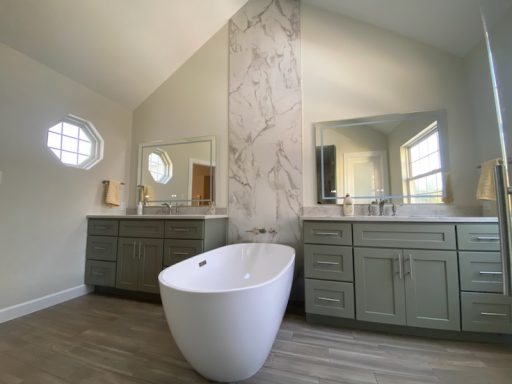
(180, 171)
(398, 156)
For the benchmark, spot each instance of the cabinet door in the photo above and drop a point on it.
(379, 286)
(150, 265)
(432, 289)
(127, 263)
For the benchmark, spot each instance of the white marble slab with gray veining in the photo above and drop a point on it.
(265, 128)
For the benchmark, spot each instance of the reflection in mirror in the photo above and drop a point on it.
(181, 171)
(398, 156)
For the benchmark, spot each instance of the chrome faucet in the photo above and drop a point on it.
(169, 207)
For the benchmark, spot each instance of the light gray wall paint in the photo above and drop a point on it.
(43, 204)
(352, 69)
(192, 102)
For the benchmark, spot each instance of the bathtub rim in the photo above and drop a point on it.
(291, 262)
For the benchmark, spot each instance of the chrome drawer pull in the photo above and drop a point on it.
(329, 299)
(487, 238)
(326, 233)
(181, 253)
(181, 229)
(100, 249)
(494, 314)
(98, 273)
(328, 262)
(490, 273)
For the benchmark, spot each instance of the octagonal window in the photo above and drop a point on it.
(75, 142)
(160, 166)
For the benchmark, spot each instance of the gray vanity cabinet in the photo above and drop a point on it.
(129, 253)
(138, 264)
(431, 289)
(407, 287)
(328, 267)
(415, 283)
(101, 253)
(187, 238)
(483, 307)
(379, 286)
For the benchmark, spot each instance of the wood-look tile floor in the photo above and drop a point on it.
(103, 339)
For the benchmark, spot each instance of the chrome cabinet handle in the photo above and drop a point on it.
(410, 266)
(410, 271)
(181, 253)
(400, 270)
(328, 262)
(326, 233)
(181, 229)
(328, 299)
(100, 249)
(496, 238)
(494, 314)
(133, 255)
(140, 243)
(490, 273)
(98, 273)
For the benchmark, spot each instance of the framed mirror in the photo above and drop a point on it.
(397, 156)
(180, 171)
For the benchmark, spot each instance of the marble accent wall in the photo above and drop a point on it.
(265, 126)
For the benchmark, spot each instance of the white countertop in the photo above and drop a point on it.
(407, 219)
(160, 217)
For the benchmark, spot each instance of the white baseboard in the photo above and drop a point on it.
(35, 305)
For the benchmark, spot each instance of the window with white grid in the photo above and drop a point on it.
(160, 166)
(75, 142)
(424, 174)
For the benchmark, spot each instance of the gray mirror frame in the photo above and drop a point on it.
(439, 115)
(158, 144)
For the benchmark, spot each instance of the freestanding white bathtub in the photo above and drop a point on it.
(224, 307)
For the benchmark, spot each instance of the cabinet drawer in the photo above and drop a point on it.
(101, 248)
(100, 227)
(332, 233)
(179, 250)
(330, 298)
(422, 236)
(478, 237)
(329, 262)
(184, 229)
(486, 312)
(141, 228)
(481, 271)
(100, 273)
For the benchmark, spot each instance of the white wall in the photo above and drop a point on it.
(192, 102)
(351, 69)
(43, 204)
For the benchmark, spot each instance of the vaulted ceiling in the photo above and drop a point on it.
(124, 49)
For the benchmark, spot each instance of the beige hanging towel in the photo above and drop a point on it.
(149, 193)
(113, 193)
(448, 190)
(485, 189)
